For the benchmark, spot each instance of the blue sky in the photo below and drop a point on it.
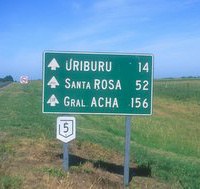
(169, 29)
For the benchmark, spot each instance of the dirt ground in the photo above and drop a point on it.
(39, 165)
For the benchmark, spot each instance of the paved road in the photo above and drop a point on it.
(4, 84)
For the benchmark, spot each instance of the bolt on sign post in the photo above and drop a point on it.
(98, 83)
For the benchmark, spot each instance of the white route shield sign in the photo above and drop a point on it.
(66, 128)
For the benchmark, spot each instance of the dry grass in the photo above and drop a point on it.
(39, 165)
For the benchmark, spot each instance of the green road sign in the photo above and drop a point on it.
(97, 83)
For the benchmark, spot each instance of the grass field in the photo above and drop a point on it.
(165, 146)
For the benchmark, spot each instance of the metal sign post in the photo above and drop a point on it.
(65, 157)
(66, 131)
(127, 151)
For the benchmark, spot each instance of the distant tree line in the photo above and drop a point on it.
(7, 78)
(190, 77)
(183, 77)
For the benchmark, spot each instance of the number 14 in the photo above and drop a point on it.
(143, 67)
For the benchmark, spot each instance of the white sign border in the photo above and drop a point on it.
(105, 53)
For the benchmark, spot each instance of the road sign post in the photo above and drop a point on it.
(66, 131)
(97, 83)
(127, 150)
(65, 157)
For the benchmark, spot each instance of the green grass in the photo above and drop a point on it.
(167, 142)
(21, 111)
(54, 172)
(178, 89)
(8, 182)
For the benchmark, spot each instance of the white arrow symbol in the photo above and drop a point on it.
(53, 82)
(53, 64)
(52, 100)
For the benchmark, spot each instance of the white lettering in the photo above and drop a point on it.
(66, 101)
(71, 102)
(93, 66)
(94, 102)
(107, 84)
(101, 102)
(77, 84)
(86, 66)
(100, 66)
(76, 65)
(67, 84)
(118, 85)
(105, 102)
(111, 84)
(69, 65)
(97, 84)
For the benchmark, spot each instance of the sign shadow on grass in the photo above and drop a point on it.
(142, 171)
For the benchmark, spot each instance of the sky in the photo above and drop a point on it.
(168, 29)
